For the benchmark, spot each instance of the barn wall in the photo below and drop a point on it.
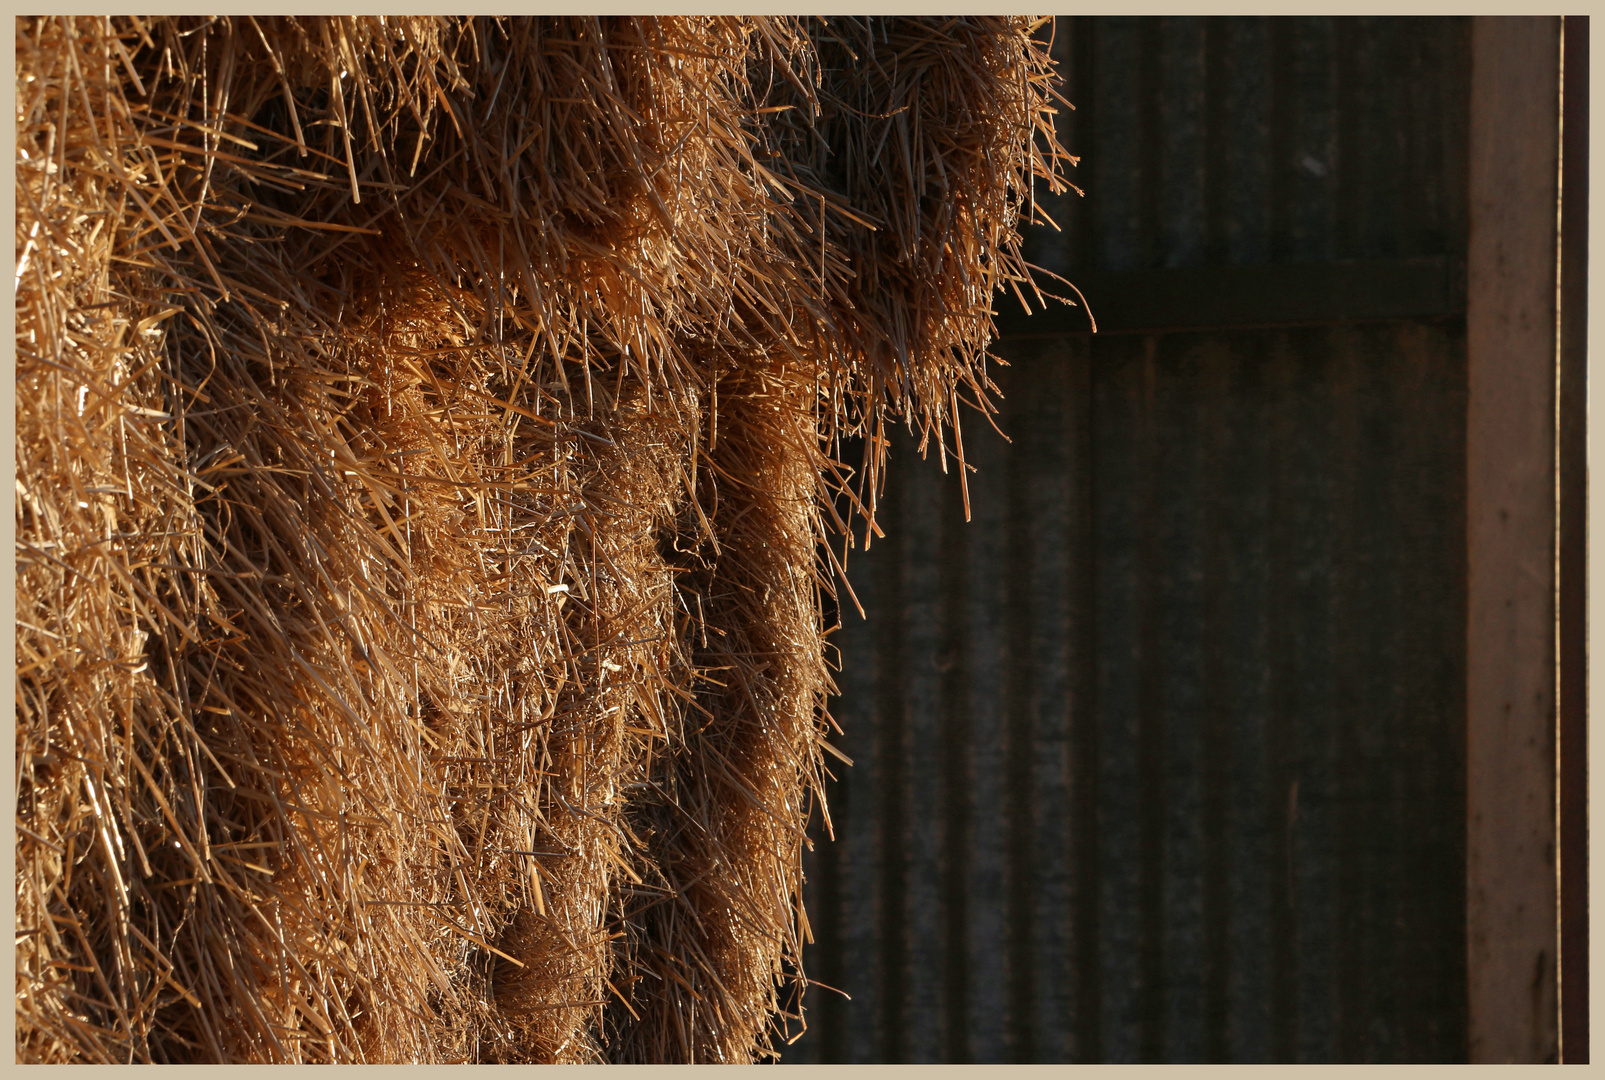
(1228, 141)
(1161, 756)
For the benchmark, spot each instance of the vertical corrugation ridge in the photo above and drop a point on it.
(1219, 784)
(1086, 748)
(987, 886)
(924, 787)
(891, 745)
(1152, 793)
(1023, 795)
(953, 663)
(1281, 807)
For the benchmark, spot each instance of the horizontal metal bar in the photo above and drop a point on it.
(1257, 295)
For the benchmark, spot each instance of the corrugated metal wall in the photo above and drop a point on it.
(1209, 141)
(1160, 757)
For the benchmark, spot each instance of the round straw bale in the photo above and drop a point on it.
(425, 445)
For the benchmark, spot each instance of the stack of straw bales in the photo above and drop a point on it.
(425, 448)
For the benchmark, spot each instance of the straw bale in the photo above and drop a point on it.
(425, 446)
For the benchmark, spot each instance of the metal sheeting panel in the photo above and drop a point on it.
(1209, 141)
(1159, 758)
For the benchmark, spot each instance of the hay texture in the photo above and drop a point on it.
(425, 462)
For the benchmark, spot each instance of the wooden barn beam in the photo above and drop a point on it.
(1511, 326)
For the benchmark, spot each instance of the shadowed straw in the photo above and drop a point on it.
(425, 444)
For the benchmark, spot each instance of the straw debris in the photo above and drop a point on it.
(426, 441)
